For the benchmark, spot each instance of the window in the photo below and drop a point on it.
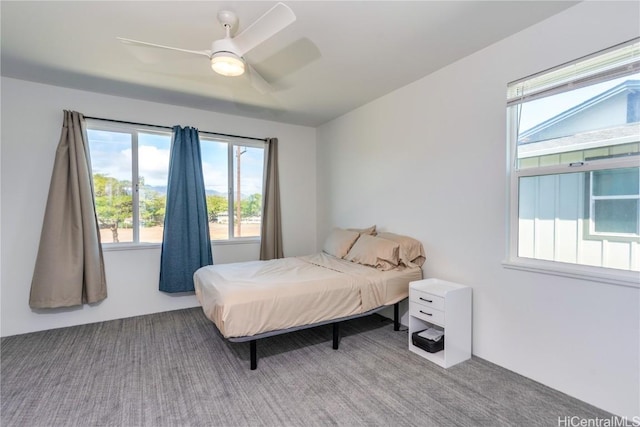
(130, 169)
(614, 203)
(574, 142)
(130, 173)
(233, 179)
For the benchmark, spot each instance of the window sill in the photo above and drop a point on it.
(583, 272)
(108, 247)
(237, 241)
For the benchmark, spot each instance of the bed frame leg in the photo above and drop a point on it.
(336, 335)
(396, 316)
(254, 354)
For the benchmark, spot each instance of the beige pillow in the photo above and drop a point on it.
(339, 242)
(379, 253)
(411, 250)
(369, 230)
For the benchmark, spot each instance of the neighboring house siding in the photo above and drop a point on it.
(552, 211)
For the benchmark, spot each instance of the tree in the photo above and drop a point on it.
(152, 207)
(215, 206)
(252, 205)
(114, 204)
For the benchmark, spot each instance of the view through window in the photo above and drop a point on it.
(575, 140)
(130, 174)
(235, 211)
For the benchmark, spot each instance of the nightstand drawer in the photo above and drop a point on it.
(427, 299)
(426, 313)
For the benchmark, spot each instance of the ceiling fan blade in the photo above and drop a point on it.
(206, 53)
(273, 21)
(257, 82)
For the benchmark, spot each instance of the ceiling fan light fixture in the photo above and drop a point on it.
(227, 64)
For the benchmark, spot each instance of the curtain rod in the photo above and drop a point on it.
(170, 128)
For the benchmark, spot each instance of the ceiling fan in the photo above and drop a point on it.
(226, 54)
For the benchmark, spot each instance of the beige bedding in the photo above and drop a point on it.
(249, 298)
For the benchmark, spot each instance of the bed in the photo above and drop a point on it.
(355, 275)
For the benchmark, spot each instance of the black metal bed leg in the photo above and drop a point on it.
(254, 354)
(396, 316)
(336, 335)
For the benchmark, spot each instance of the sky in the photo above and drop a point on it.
(111, 155)
(539, 110)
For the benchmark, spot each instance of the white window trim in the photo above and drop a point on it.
(233, 142)
(517, 95)
(129, 246)
(592, 214)
(576, 271)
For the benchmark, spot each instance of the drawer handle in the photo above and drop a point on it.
(428, 314)
(427, 300)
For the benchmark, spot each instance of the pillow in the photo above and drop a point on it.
(379, 253)
(369, 230)
(339, 242)
(411, 250)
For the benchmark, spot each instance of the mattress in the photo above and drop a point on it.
(249, 298)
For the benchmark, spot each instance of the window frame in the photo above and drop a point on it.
(591, 215)
(133, 130)
(514, 174)
(232, 143)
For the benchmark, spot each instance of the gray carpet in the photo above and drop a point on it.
(173, 369)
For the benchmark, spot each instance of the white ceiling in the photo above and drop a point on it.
(335, 57)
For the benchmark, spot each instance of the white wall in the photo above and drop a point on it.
(428, 160)
(31, 124)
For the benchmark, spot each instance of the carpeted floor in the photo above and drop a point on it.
(173, 369)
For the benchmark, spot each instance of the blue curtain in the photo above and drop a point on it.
(186, 245)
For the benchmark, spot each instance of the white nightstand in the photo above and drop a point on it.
(447, 306)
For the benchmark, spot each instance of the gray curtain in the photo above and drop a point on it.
(271, 232)
(69, 268)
